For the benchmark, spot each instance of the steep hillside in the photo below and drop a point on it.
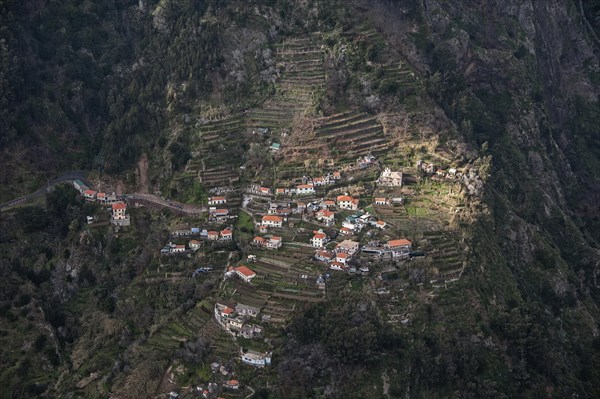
(489, 110)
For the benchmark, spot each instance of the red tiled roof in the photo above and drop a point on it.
(217, 199)
(275, 238)
(101, 195)
(320, 236)
(245, 271)
(89, 192)
(119, 205)
(344, 198)
(272, 218)
(213, 233)
(226, 232)
(301, 186)
(399, 243)
(325, 254)
(342, 255)
(259, 239)
(227, 310)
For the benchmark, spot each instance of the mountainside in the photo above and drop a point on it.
(488, 109)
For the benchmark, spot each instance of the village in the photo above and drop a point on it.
(298, 238)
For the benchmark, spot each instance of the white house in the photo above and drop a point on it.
(342, 257)
(217, 200)
(402, 245)
(245, 273)
(257, 359)
(274, 242)
(390, 179)
(213, 235)
(194, 245)
(119, 217)
(319, 240)
(305, 189)
(272, 221)
(381, 201)
(89, 195)
(347, 202)
(326, 216)
(226, 235)
(178, 248)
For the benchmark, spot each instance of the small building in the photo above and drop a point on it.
(226, 235)
(245, 273)
(337, 175)
(390, 179)
(119, 216)
(326, 216)
(380, 224)
(218, 212)
(90, 219)
(397, 201)
(89, 195)
(319, 240)
(324, 256)
(304, 189)
(342, 257)
(178, 248)
(335, 265)
(264, 190)
(320, 181)
(381, 201)
(301, 206)
(280, 191)
(348, 246)
(274, 243)
(272, 221)
(80, 186)
(232, 384)
(194, 245)
(347, 202)
(101, 198)
(345, 231)
(275, 147)
(329, 203)
(217, 200)
(402, 245)
(247, 310)
(260, 241)
(256, 359)
(213, 235)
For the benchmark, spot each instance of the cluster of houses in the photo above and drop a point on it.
(309, 183)
(119, 215)
(339, 258)
(393, 249)
(234, 319)
(224, 235)
(272, 242)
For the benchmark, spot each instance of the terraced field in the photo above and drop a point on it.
(447, 254)
(300, 62)
(285, 279)
(352, 134)
(197, 322)
(218, 150)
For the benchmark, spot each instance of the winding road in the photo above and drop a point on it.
(149, 200)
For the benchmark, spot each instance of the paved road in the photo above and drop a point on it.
(145, 199)
(64, 178)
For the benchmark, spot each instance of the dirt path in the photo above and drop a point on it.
(142, 173)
